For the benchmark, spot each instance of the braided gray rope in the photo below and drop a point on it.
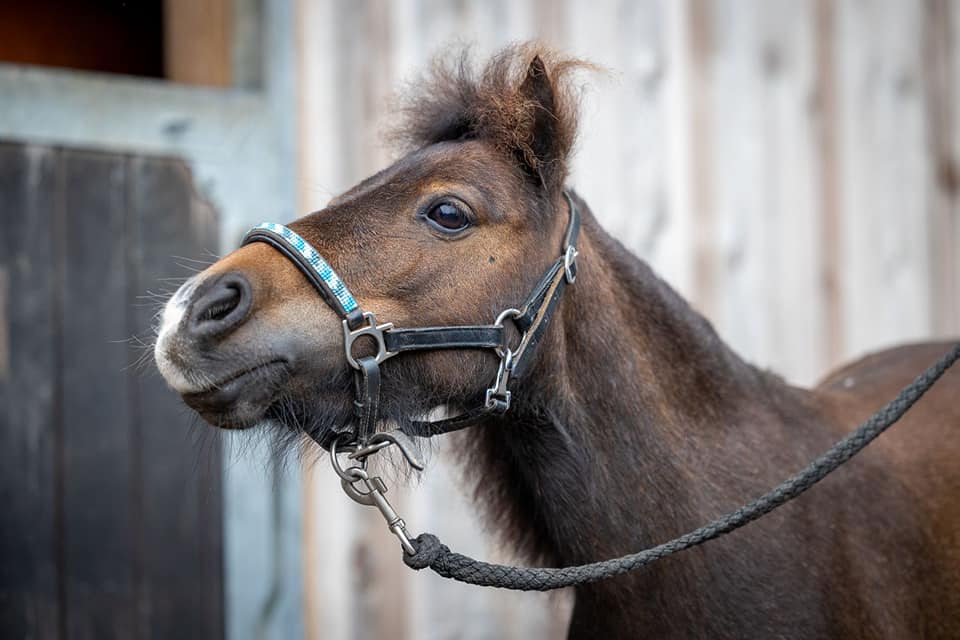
(430, 552)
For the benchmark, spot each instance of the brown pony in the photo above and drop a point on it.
(634, 423)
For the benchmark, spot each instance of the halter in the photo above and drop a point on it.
(532, 318)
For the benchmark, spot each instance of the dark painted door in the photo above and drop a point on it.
(110, 497)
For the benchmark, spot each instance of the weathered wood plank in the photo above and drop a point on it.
(99, 488)
(29, 396)
(198, 42)
(327, 550)
(829, 188)
(790, 292)
(380, 606)
(181, 590)
(760, 90)
(941, 83)
(739, 182)
(627, 191)
(884, 174)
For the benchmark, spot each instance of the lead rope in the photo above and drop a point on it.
(428, 551)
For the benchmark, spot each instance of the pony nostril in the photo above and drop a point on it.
(220, 310)
(222, 305)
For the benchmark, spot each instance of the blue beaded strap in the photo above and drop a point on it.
(317, 270)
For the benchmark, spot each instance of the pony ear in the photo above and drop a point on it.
(541, 147)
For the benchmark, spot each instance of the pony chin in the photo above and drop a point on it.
(321, 415)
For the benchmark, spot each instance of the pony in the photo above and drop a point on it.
(633, 423)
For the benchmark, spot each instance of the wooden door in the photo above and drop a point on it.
(110, 495)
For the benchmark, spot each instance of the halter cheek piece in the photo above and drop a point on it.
(532, 319)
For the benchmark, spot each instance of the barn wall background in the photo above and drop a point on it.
(789, 166)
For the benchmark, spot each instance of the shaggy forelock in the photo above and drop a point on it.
(457, 99)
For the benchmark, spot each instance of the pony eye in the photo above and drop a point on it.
(448, 217)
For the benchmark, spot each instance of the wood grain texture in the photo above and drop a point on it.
(940, 69)
(179, 459)
(328, 519)
(197, 41)
(99, 487)
(111, 526)
(29, 397)
(884, 171)
(830, 187)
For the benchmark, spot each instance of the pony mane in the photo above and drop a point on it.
(456, 100)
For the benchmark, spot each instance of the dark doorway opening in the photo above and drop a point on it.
(114, 36)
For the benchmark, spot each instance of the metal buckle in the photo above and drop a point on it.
(570, 263)
(373, 330)
(498, 396)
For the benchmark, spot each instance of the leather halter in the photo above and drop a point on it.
(532, 319)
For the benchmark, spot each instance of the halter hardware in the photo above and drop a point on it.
(372, 329)
(498, 396)
(371, 489)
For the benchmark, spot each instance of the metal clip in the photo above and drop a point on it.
(372, 496)
(371, 329)
(372, 489)
(498, 396)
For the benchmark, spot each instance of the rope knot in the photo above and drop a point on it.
(427, 549)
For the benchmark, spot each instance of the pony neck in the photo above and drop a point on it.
(631, 400)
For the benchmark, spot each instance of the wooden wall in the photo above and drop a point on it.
(111, 518)
(788, 165)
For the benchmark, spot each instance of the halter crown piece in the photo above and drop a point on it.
(531, 318)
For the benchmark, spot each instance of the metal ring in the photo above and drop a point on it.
(362, 497)
(507, 313)
(345, 474)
